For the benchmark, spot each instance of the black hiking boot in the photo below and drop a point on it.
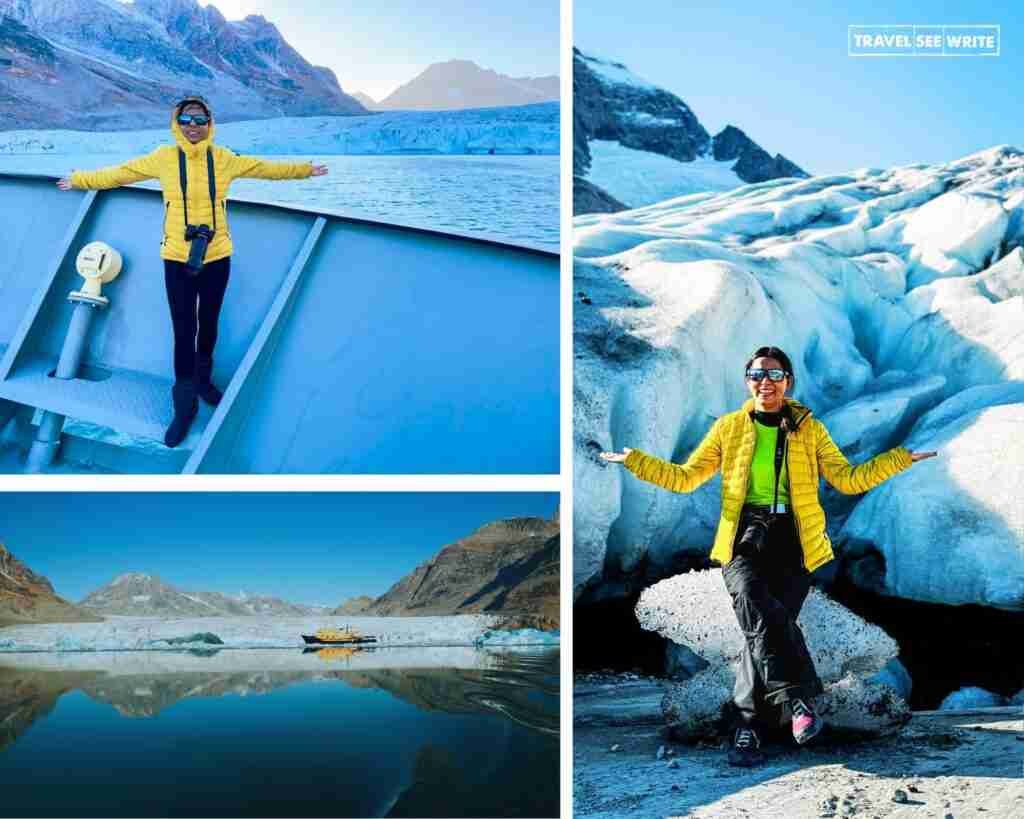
(209, 393)
(745, 751)
(185, 408)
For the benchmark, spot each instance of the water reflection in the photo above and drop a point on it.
(508, 683)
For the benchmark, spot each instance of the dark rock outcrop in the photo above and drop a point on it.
(589, 198)
(635, 115)
(611, 104)
(754, 164)
(510, 566)
(27, 597)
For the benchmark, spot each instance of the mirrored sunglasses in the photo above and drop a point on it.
(197, 119)
(760, 374)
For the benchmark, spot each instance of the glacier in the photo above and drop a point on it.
(899, 295)
(639, 178)
(152, 633)
(523, 129)
(260, 660)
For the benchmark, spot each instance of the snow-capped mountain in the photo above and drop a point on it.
(104, 64)
(143, 595)
(899, 296)
(458, 84)
(527, 129)
(638, 144)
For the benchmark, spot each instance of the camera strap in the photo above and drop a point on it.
(780, 455)
(211, 178)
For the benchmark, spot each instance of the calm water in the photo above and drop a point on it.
(332, 740)
(512, 198)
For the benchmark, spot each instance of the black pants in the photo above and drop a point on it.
(768, 587)
(195, 303)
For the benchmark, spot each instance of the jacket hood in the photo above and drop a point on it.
(798, 412)
(183, 143)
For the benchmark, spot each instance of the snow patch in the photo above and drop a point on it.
(638, 178)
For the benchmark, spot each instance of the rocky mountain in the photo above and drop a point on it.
(611, 105)
(458, 84)
(509, 566)
(105, 65)
(27, 597)
(368, 102)
(144, 595)
(354, 605)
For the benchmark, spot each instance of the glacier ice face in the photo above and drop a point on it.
(972, 697)
(518, 637)
(950, 530)
(954, 235)
(898, 293)
(523, 129)
(154, 634)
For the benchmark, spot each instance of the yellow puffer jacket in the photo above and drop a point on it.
(162, 164)
(809, 451)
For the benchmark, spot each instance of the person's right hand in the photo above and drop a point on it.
(64, 183)
(616, 457)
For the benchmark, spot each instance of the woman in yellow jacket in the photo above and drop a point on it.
(195, 280)
(771, 535)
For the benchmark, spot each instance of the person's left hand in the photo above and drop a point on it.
(319, 170)
(920, 456)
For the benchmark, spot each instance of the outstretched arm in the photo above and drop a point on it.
(699, 467)
(253, 167)
(134, 170)
(853, 480)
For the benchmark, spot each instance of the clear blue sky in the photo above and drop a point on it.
(375, 47)
(781, 73)
(317, 548)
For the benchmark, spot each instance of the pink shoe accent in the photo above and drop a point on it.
(806, 724)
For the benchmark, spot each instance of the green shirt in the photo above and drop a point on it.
(761, 490)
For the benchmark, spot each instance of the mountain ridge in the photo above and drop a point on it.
(460, 84)
(509, 566)
(108, 65)
(610, 104)
(143, 595)
(28, 597)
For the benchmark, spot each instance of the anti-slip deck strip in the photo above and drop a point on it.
(21, 334)
(259, 344)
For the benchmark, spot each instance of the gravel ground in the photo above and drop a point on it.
(937, 766)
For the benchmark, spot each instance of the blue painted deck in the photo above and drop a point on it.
(345, 346)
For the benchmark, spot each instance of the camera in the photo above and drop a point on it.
(756, 532)
(199, 236)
